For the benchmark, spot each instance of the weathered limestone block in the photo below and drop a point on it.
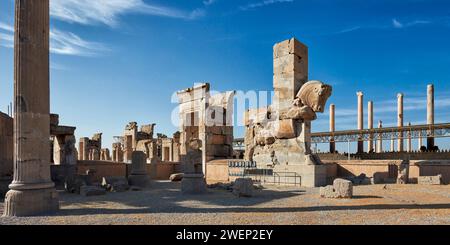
(115, 184)
(193, 184)
(139, 176)
(285, 129)
(341, 188)
(176, 177)
(92, 191)
(243, 187)
(379, 177)
(327, 192)
(430, 180)
(403, 173)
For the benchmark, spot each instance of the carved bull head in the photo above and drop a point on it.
(315, 95)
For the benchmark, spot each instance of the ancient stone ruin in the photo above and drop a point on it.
(90, 149)
(208, 118)
(278, 136)
(193, 181)
(32, 192)
(341, 188)
(64, 151)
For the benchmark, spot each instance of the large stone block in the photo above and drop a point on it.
(285, 129)
(193, 184)
(243, 187)
(430, 180)
(343, 188)
(176, 177)
(115, 183)
(291, 46)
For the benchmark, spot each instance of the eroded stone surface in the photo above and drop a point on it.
(243, 187)
(430, 180)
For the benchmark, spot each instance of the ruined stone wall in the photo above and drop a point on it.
(157, 171)
(417, 168)
(6, 145)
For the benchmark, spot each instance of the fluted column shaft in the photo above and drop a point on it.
(32, 191)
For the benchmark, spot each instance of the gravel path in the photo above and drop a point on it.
(163, 203)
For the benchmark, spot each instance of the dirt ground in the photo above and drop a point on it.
(163, 203)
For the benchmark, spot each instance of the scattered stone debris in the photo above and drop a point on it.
(430, 180)
(74, 183)
(243, 187)
(115, 184)
(341, 188)
(176, 177)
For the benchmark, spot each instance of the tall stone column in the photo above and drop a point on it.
(370, 146)
(430, 115)
(409, 140)
(400, 121)
(32, 191)
(380, 139)
(332, 128)
(419, 141)
(392, 144)
(360, 120)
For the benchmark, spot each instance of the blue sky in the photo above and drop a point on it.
(115, 61)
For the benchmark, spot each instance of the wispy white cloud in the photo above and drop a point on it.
(395, 24)
(61, 42)
(107, 12)
(67, 43)
(6, 35)
(262, 4)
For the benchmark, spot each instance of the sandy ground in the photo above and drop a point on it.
(163, 203)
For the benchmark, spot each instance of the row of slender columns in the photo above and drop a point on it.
(400, 123)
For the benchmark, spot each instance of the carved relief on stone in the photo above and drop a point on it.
(311, 98)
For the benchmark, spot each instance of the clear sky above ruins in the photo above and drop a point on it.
(115, 61)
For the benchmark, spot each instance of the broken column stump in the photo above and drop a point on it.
(138, 176)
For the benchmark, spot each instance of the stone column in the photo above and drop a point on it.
(380, 139)
(392, 144)
(332, 128)
(430, 115)
(419, 141)
(32, 191)
(139, 176)
(400, 121)
(409, 140)
(370, 145)
(360, 120)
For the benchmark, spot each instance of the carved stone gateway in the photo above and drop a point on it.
(32, 191)
(278, 137)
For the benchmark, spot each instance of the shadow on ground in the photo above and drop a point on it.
(165, 197)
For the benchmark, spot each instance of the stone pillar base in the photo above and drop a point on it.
(313, 175)
(139, 180)
(193, 184)
(31, 202)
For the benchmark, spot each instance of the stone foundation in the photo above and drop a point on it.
(193, 184)
(21, 203)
